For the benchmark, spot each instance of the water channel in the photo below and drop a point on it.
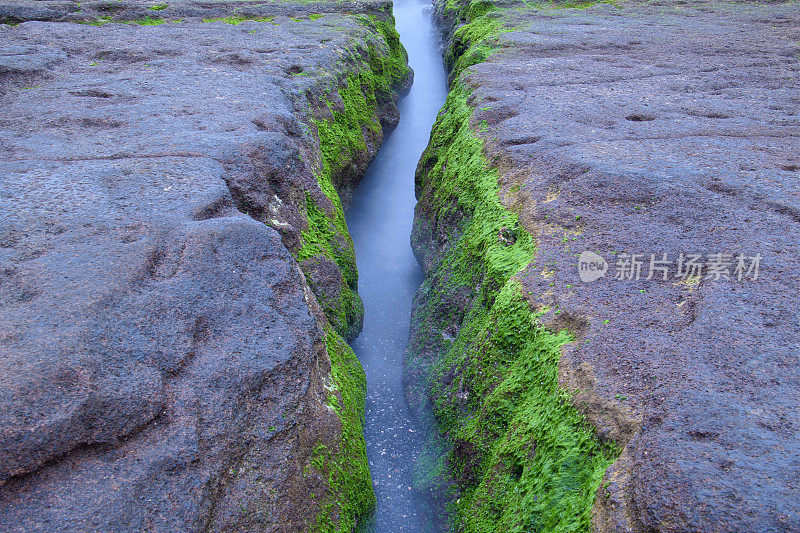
(380, 220)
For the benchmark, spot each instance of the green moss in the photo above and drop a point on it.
(571, 4)
(159, 7)
(235, 20)
(345, 124)
(315, 16)
(520, 457)
(387, 70)
(350, 494)
(473, 43)
(343, 128)
(327, 235)
(147, 21)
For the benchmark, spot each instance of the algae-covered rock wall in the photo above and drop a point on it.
(177, 281)
(624, 403)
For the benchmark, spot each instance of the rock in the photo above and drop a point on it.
(149, 397)
(164, 361)
(645, 130)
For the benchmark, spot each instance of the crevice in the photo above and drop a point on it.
(12, 483)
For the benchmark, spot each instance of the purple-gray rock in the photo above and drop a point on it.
(164, 362)
(651, 128)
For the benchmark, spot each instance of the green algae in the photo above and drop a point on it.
(474, 42)
(579, 4)
(350, 493)
(327, 235)
(148, 21)
(238, 19)
(519, 457)
(344, 127)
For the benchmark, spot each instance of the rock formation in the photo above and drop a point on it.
(176, 278)
(627, 403)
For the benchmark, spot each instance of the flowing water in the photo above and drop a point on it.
(379, 220)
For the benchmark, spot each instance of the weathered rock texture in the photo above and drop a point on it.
(647, 128)
(174, 264)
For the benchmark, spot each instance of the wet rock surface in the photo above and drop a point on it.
(14, 12)
(163, 356)
(661, 128)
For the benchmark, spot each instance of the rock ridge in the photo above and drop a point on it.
(176, 283)
(615, 129)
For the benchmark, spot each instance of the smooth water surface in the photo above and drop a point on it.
(380, 220)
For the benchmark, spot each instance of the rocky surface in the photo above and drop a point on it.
(170, 260)
(14, 12)
(649, 128)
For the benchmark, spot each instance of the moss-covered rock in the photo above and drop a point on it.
(206, 282)
(516, 456)
(349, 125)
(349, 129)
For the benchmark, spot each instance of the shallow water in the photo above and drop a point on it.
(380, 219)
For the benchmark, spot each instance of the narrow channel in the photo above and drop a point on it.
(380, 220)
